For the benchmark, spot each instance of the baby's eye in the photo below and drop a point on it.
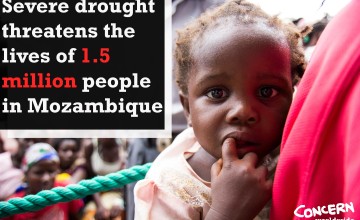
(216, 93)
(267, 92)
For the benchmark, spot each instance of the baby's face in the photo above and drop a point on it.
(240, 87)
(41, 176)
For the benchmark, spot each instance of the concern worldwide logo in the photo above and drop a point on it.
(332, 209)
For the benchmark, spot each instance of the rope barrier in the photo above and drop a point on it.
(83, 188)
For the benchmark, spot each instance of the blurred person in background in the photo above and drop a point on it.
(10, 176)
(41, 165)
(103, 158)
(72, 165)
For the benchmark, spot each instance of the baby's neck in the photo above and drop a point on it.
(201, 163)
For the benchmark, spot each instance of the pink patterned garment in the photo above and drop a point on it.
(171, 189)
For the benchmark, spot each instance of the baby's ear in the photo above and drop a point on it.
(185, 103)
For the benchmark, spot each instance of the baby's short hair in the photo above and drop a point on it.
(234, 11)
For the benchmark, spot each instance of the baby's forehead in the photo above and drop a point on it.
(234, 34)
(224, 38)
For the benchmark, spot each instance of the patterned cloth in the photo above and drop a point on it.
(37, 152)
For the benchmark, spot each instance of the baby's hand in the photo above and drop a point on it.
(239, 189)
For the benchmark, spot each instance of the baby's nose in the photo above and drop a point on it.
(242, 112)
